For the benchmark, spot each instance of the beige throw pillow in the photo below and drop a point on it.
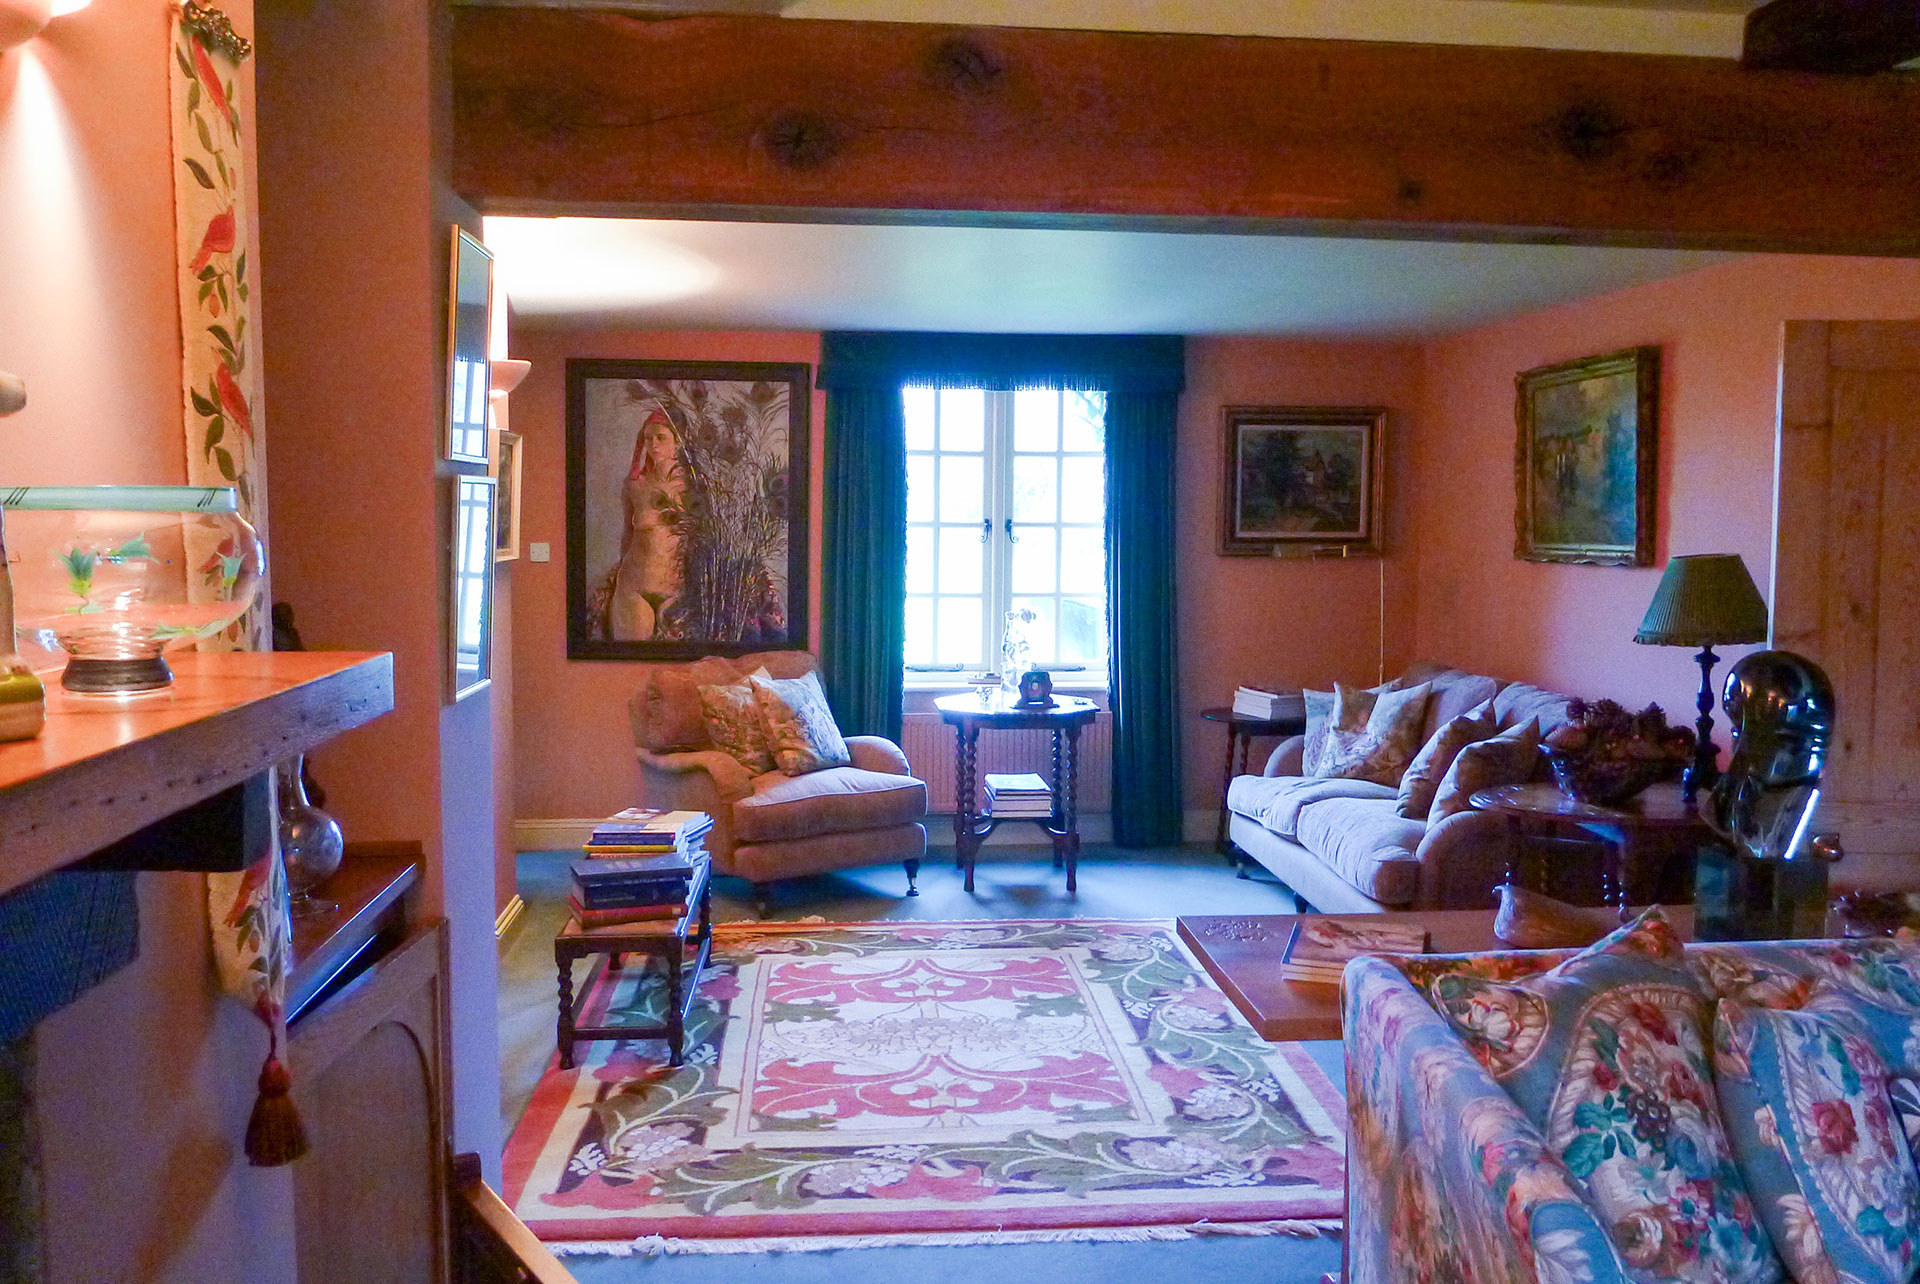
(800, 727)
(1372, 735)
(1435, 759)
(736, 725)
(1509, 758)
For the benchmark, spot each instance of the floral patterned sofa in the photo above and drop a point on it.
(1725, 1112)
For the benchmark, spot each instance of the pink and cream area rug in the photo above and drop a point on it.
(931, 1083)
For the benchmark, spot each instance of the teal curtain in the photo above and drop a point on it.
(863, 635)
(864, 588)
(1141, 616)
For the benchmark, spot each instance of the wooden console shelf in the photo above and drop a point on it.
(106, 769)
(371, 894)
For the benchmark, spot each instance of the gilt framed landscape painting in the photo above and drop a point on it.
(1584, 466)
(1302, 480)
(686, 508)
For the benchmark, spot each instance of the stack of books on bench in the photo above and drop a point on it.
(1269, 705)
(1323, 944)
(1017, 796)
(643, 831)
(611, 891)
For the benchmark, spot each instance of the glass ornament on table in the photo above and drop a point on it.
(114, 576)
(1016, 647)
(311, 845)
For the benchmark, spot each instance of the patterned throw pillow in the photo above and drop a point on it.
(1806, 1101)
(1372, 735)
(1509, 758)
(1435, 759)
(800, 727)
(1319, 706)
(736, 725)
(1607, 1054)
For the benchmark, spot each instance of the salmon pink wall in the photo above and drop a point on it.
(1571, 627)
(574, 752)
(1289, 621)
(143, 1084)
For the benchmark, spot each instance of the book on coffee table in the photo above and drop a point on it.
(1323, 944)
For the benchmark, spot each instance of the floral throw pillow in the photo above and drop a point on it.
(735, 724)
(800, 728)
(1607, 1054)
(1372, 735)
(1509, 758)
(1807, 1103)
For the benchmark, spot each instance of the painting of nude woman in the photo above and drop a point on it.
(686, 508)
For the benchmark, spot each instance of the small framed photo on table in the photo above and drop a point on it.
(1303, 481)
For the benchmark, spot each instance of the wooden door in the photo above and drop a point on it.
(1846, 574)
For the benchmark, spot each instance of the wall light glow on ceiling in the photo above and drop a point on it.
(61, 8)
(584, 263)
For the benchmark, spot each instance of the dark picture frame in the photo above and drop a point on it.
(1303, 481)
(687, 508)
(1586, 463)
(469, 368)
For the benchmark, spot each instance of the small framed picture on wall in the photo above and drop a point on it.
(1584, 465)
(1302, 480)
(469, 321)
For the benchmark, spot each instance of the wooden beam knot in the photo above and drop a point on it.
(1589, 132)
(965, 66)
(800, 139)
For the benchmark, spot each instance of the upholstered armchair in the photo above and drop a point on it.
(774, 826)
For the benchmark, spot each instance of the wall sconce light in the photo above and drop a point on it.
(22, 20)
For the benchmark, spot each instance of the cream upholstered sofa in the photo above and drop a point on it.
(1342, 845)
(774, 826)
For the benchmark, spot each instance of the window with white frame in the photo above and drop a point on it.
(1006, 509)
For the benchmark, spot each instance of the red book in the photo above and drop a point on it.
(617, 917)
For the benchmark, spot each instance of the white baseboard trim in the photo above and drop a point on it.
(558, 833)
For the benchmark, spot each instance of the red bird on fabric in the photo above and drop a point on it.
(218, 239)
(210, 80)
(232, 400)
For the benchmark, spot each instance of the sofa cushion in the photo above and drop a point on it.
(1510, 758)
(1520, 701)
(838, 800)
(1365, 842)
(800, 727)
(1275, 801)
(1807, 1102)
(674, 719)
(1454, 694)
(1430, 766)
(736, 724)
(1372, 735)
(1607, 1054)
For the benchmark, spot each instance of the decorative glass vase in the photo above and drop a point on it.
(1016, 649)
(311, 844)
(114, 576)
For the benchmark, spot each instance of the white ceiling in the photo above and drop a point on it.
(652, 274)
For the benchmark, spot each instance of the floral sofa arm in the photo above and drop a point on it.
(1446, 1178)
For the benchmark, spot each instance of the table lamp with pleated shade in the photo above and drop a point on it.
(1704, 600)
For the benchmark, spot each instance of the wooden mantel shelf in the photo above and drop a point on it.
(105, 769)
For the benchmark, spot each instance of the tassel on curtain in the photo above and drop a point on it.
(863, 635)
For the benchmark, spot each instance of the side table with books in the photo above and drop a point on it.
(1254, 714)
(643, 888)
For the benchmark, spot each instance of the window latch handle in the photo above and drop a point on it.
(1011, 537)
(986, 529)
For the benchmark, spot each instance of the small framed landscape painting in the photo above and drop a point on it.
(686, 508)
(1584, 465)
(1302, 480)
(506, 470)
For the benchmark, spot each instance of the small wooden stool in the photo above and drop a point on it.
(664, 939)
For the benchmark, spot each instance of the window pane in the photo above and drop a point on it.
(1085, 416)
(963, 419)
(919, 488)
(1040, 634)
(920, 559)
(958, 641)
(1083, 631)
(1036, 420)
(1083, 488)
(1083, 560)
(962, 488)
(962, 560)
(1033, 561)
(919, 407)
(919, 630)
(1036, 488)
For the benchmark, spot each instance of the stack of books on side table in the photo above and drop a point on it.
(643, 831)
(1323, 944)
(1019, 795)
(1269, 705)
(607, 892)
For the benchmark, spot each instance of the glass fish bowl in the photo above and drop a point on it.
(115, 576)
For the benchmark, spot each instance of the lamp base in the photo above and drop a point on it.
(116, 677)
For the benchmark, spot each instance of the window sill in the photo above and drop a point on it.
(940, 684)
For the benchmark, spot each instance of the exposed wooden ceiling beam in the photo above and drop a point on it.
(1856, 36)
(723, 116)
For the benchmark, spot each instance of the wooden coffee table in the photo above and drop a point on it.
(1242, 953)
(664, 939)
